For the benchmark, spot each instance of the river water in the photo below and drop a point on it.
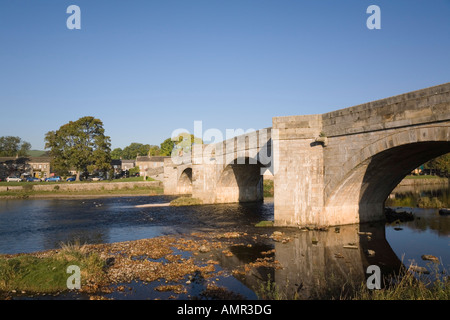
(311, 260)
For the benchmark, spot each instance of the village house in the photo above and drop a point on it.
(150, 165)
(127, 164)
(38, 167)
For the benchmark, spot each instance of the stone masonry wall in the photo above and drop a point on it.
(50, 186)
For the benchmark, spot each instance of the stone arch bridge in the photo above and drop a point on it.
(329, 169)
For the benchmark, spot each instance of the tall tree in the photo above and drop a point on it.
(135, 149)
(182, 143)
(439, 165)
(154, 151)
(13, 146)
(81, 146)
(116, 153)
(167, 147)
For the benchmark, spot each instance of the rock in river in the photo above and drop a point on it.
(429, 257)
(204, 249)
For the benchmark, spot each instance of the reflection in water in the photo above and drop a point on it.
(428, 233)
(317, 263)
(416, 196)
(313, 262)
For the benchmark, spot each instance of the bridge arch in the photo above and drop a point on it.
(184, 185)
(369, 176)
(240, 181)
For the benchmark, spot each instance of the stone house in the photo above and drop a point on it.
(38, 167)
(127, 164)
(150, 165)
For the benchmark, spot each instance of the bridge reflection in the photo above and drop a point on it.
(314, 264)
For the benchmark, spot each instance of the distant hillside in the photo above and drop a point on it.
(37, 153)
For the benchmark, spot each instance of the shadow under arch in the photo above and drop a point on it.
(184, 185)
(377, 169)
(241, 181)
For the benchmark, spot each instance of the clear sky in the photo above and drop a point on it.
(146, 67)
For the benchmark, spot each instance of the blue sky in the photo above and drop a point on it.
(146, 68)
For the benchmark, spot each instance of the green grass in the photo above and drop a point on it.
(36, 153)
(424, 177)
(185, 201)
(268, 188)
(24, 194)
(264, 223)
(49, 274)
(407, 286)
(131, 179)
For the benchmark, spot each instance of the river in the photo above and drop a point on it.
(311, 261)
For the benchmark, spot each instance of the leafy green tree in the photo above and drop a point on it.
(80, 145)
(439, 165)
(154, 151)
(182, 144)
(135, 149)
(116, 153)
(12, 146)
(167, 147)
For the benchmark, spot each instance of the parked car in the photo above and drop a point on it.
(33, 179)
(71, 179)
(52, 179)
(13, 179)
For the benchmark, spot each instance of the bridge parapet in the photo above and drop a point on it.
(419, 107)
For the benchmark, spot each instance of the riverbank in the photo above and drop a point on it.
(417, 181)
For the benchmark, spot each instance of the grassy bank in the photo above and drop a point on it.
(424, 177)
(131, 179)
(25, 193)
(185, 201)
(407, 285)
(31, 274)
